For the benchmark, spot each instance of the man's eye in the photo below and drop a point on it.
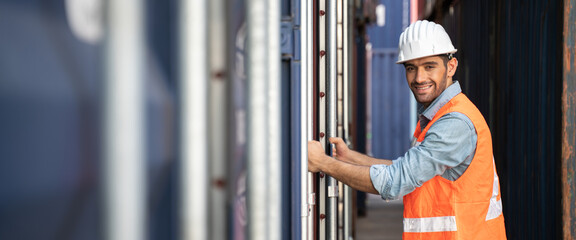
(429, 67)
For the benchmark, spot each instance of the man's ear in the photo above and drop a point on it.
(452, 66)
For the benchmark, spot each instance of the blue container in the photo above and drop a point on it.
(391, 99)
(391, 128)
(50, 108)
(49, 146)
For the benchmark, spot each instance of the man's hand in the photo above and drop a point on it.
(353, 175)
(341, 150)
(315, 156)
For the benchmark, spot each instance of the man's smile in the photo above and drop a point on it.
(422, 88)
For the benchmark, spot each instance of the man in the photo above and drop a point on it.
(448, 178)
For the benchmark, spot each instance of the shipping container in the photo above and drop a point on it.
(511, 57)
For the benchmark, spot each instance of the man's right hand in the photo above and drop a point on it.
(315, 156)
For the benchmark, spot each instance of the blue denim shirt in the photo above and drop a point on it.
(447, 150)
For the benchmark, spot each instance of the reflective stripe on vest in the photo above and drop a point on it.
(430, 224)
(495, 208)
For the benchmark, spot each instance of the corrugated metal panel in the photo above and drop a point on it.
(390, 95)
(291, 125)
(509, 65)
(568, 122)
(390, 106)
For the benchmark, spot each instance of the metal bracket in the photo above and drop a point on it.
(332, 191)
(312, 199)
(286, 38)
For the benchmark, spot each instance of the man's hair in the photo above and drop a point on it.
(446, 58)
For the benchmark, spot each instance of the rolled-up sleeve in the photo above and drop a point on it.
(447, 144)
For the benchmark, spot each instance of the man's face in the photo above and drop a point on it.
(428, 77)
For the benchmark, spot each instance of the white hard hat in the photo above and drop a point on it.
(423, 39)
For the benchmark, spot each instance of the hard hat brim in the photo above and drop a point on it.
(430, 55)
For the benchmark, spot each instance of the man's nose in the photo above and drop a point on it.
(420, 75)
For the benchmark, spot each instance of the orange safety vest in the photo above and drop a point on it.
(467, 208)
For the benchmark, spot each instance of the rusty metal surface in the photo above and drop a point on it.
(568, 122)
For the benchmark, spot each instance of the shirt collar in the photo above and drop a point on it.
(440, 101)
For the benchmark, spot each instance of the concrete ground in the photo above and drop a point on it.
(383, 220)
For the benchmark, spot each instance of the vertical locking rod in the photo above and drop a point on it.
(306, 79)
(321, 194)
(124, 122)
(331, 101)
(193, 84)
(263, 145)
